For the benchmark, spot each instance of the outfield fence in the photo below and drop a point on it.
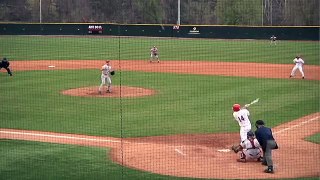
(156, 30)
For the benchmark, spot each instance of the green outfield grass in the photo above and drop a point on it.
(62, 48)
(184, 104)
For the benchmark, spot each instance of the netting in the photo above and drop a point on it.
(173, 109)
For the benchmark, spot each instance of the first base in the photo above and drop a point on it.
(51, 66)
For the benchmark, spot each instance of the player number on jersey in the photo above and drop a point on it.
(241, 118)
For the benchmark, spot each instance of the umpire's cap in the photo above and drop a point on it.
(4, 58)
(259, 122)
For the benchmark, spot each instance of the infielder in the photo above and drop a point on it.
(241, 115)
(298, 65)
(106, 77)
(249, 149)
(154, 54)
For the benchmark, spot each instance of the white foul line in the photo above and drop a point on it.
(180, 152)
(60, 136)
(297, 125)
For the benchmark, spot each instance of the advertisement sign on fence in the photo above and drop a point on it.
(95, 29)
(194, 30)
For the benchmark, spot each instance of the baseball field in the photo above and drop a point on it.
(167, 120)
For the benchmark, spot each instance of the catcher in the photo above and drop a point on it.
(249, 149)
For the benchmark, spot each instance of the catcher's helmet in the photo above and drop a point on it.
(236, 107)
(250, 134)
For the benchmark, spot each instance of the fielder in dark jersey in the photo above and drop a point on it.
(267, 142)
(5, 64)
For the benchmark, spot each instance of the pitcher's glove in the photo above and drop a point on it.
(112, 73)
(236, 148)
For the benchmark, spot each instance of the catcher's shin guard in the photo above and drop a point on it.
(242, 155)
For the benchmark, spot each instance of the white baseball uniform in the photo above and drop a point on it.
(298, 65)
(154, 53)
(105, 77)
(251, 149)
(273, 39)
(242, 117)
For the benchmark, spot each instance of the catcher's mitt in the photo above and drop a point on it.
(236, 148)
(112, 73)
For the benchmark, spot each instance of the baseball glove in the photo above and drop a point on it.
(112, 73)
(236, 148)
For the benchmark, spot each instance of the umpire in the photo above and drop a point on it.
(267, 142)
(5, 64)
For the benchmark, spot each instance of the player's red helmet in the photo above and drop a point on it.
(236, 107)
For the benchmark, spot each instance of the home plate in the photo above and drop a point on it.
(51, 66)
(224, 150)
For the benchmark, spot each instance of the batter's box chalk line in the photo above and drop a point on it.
(224, 150)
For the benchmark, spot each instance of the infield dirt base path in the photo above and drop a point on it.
(255, 70)
(195, 155)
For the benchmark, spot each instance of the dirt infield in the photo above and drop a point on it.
(254, 70)
(195, 155)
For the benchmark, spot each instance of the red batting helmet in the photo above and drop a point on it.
(236, 107)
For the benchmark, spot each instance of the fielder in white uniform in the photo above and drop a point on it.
(105, 77)
(241, 115)
(298, 65)
(273, 40)
(251, 149)
(154, 54)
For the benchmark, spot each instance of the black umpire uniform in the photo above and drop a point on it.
(267, 142)
(5, 64)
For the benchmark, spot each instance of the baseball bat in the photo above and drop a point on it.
(253, 102)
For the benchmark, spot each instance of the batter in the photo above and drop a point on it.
(241, 115)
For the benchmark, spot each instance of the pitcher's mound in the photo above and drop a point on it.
(117, 91)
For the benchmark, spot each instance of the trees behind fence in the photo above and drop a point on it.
(214, 12)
